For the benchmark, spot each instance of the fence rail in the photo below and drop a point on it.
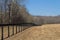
(16, 28)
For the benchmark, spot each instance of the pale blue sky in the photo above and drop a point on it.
(44, 7)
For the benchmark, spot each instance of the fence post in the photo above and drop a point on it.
(19, 28)
(13, 30)
(8, 32)
(16, 29)
(2, 38)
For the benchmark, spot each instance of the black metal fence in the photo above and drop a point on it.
(8, 12)
(16, 28)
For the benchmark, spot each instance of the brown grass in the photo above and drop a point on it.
(6, 31)
(45, 32)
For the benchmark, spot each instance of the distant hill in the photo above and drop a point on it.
(47, 19)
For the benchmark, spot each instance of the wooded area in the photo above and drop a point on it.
(14, 12)
(11, 11)
(49, 19)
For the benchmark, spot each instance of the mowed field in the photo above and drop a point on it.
(44, 32)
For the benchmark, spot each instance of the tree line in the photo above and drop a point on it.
(47, 19)
(13, 11)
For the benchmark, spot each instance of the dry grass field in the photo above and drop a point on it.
(44, 32)
(5, 30)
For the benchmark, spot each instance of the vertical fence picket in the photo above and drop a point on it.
(13, 30)
(19, 28)
(16, 29)
(8, 32)
(2, 37)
